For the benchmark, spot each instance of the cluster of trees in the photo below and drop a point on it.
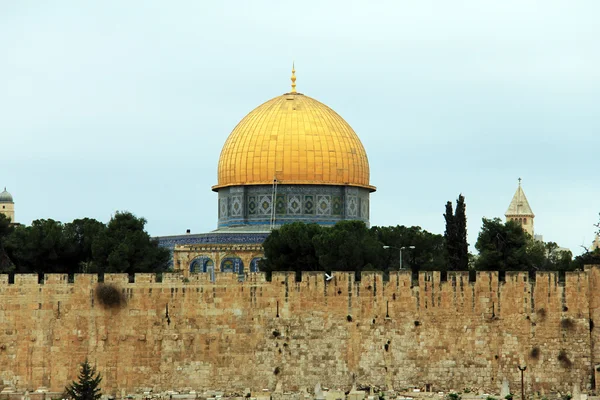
(505, 246)
(84, 245)
(455, 236)
(351, 246)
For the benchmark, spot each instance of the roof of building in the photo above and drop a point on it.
(5, 197)
(519, 204)
(596, 243)
(296, 140)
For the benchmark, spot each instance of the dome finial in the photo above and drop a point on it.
(293, 78)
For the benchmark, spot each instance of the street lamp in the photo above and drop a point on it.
(522, 369)
(399, 248)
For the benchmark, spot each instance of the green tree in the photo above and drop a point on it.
(347, 246)
(80, 236)
(455, 235)
(450, 237)
(502, 246)
(460, 221)
(429, 253)
(86, 388)
(291, 248)
(125, 247)
(39, 248)
(587, 258)
(6, 229)
(557, 259)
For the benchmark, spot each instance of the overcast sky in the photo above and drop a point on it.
(125, 105)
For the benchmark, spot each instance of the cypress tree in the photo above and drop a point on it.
(462, 247)
(450, 237)
(87, 386)
(455, 236)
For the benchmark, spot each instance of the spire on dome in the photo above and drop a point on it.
(293, 78)
(519, 204)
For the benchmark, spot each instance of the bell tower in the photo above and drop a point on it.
(520, 211)
(7, 205)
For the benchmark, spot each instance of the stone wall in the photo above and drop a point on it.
(190, 332)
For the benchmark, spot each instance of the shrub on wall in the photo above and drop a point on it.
(564, 360)
(110, 296)
(567, 323)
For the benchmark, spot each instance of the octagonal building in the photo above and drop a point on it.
(292, 159)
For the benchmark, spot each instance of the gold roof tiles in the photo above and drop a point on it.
(297, 140)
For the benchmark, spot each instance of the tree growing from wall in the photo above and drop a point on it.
(455, 235)
(87, 385)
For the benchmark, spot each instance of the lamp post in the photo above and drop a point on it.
(399, 248)
(522, 369)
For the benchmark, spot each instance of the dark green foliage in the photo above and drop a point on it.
(462, 247)
(6, 229)
(587, 258)
(41, 247)
(124, 246)
(350, 246)
(110, 296)
(291, 248)
(455, 236)
(84, 245)
(428, 254)
(450, 235)
(347, 246)
(502, 247)
(81, 234)
(507, 247)
(86, 388)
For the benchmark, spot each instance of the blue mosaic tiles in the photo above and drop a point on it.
(212, 238)
(254, 205)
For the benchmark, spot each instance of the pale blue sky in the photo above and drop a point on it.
(124, 105)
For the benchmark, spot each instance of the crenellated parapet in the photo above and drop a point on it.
(170, 331)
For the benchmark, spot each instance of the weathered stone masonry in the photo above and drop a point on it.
(193, 333)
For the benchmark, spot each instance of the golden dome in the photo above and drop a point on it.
(296, 140)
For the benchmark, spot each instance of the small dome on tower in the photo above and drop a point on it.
(6, 197)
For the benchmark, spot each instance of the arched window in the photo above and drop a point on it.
(202, 264)
(232, 264)
(254, 264)
(525, 220)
